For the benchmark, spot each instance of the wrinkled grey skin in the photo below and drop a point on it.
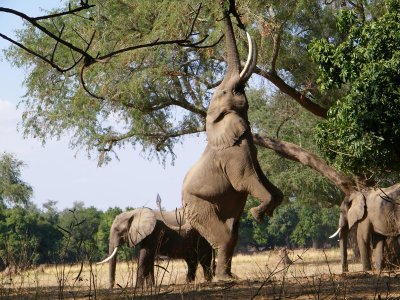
(147, 229)
(377, 216)
(215, 189)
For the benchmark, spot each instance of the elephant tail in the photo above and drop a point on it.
(181, 229)
(109, 257)
(182, 226)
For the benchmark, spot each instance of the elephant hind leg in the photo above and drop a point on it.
(378, 245)
(223, 237)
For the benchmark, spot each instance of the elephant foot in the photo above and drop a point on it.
(225, 277)
(257, 214)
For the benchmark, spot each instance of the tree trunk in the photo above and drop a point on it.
(316, 244)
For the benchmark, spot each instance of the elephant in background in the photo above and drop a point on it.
(377, 215)
(215, 189)
(150, 231)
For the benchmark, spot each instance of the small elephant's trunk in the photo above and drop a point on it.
(343, 248)
(112, 258)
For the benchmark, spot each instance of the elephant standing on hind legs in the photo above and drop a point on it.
(377, 215)
(215, 189)
(151, 232)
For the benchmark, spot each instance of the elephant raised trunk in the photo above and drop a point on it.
(215, 189)
(233, 60)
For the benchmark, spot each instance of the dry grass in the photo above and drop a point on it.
(259, 274)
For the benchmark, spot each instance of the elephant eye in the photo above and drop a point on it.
(236, 92)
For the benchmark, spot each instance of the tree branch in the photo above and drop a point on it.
(296, 153)
(70, 11)
(89, 60)
(301, 98)
(111, 140)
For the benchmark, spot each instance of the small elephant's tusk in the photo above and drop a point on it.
(108, 258)
(335, 234)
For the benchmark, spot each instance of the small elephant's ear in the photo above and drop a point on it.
(357, 209)
(143, 223)
(225, 129)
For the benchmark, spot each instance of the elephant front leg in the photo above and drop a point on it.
(268, 194)
(145, 268)
(363, 241)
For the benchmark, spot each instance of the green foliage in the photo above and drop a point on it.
(361, 134)
(251, 233)
(13, 190)
(315, 224)
(27, 238)
(277, 116)
(294, 224)
(103, 232)
(80, 226)
(147, 97)
(283, 223)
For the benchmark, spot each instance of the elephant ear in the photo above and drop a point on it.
(143, 223)
(225, 129)
(357, 209)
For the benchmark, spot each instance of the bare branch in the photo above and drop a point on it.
(276, 48)
(296, 153)
(164, 136)
(69, 12)
(44, 30)
(301, 98)
(89, 60)
(32, 52)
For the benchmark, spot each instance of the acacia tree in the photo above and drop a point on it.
(13, 190)
(130, 72)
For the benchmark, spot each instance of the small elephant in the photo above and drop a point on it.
(377, 215)
(149, 230)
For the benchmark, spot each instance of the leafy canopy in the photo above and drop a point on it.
(13, 190)
(362, 132)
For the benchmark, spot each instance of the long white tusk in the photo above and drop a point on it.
(249, 55)
(108, 258)
(335, 234)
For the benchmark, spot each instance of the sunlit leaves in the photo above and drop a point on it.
(13, 190)
(361, 134)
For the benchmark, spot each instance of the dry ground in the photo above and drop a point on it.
(312, 275)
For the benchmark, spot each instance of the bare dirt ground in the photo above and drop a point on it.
(312, 275)
(350, 286)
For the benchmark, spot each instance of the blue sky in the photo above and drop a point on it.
(61, 174)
